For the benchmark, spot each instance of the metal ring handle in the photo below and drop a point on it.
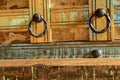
(103, 30)
(40, 19)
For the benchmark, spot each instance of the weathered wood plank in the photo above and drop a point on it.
(14, 19)
(13, 4)
(60, 72)
(71, 33)
(14, 37)
(69, 19)
(64, 3)
(15, 22)
(69, 14)
(60, 62)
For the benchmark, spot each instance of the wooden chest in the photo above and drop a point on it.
(59, 39)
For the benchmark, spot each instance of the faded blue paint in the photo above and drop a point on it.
(20, 21)
(86, 13)
(116, 3)
(64, 16)
(117, 15)
(116, 12)
(74, 15)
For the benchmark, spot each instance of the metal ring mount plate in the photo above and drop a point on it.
(40, 19)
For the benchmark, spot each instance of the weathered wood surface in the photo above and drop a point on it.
(117, 19)
(60, 62)
(58, 50)
(16, 17)
(60, 69)
(68, 23)
(40, 72)
(14, 37)
(62, 17)
(14, 20)
(67, 20)
(13, 4)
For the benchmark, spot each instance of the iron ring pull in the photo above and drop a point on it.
(38, 18)
(100, 13)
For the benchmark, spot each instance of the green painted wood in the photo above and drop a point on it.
(58, 50)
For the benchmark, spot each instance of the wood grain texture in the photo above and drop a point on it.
(101, 22)
(40, 72)
(71, 33)
(60, 62)
(69, 23)
(60, 69)
(66, 17)
(13, 4)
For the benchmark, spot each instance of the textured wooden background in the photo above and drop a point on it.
(60, 73)
(68, 20)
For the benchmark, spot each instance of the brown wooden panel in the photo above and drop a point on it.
(69, 20)
(11, 37)
(69, 14)
(13, 4)
(63, 72)
(13, 25)
(40, 72)
(62, 3)
(60, 62)
(14, 19)
(117, 30)
(73, 32)
(13, 73)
